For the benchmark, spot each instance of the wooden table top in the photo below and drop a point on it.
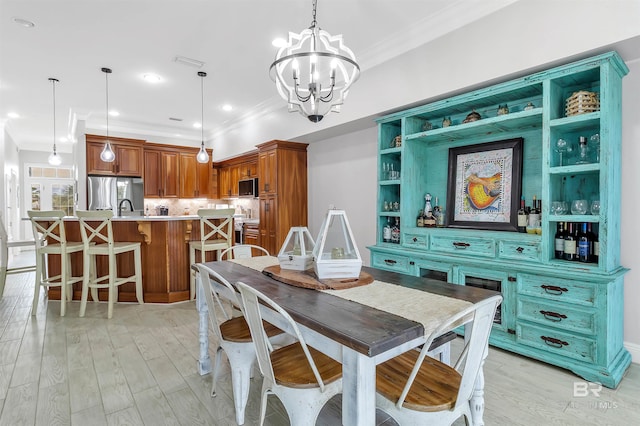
(364, 329)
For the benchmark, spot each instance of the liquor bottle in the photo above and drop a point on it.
(559, 241)
(429, 220)
(386, 231)
(583, 244)
(437, 213)
(522, 216)
(395, 232)
(570, 248)
(583, 151)
(420, 219)
(595, 244)
(534, 217)
(539, 222)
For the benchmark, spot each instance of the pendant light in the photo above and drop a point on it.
(202, 156)
(107, 155)
(54, 158)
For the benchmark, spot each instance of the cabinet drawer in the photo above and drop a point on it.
(565, 344)
(392, 262)
(556, 315)
(518, 250)
(471, 246)
(557, 289)
(415, 240)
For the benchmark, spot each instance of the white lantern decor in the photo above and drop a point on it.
(336, 254)
(297, 251)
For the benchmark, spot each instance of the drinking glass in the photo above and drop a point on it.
(557, 208)
(594, 141)
(562, 147)
(579, 207)
(595, 207)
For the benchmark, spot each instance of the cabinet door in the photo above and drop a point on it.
(94, 164)
(203, 177)
(188, 177)
(248, 170)
(224, 182)
(268, 230)
(152, 174)
(170, 174)
(129, 160)
(235, 177)
(267, 167)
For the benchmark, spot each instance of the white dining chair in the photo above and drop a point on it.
(97, 235)
(303, 378)
(216, 234)
(243, 251)
(50, 237)
(5, 245)
(415, 389)
(234, 338)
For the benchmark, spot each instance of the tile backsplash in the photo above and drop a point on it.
(189, 206)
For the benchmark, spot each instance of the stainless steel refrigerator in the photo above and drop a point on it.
(111, 193)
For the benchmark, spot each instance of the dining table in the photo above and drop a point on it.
(360, 327)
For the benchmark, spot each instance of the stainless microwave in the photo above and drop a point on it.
(248, 188)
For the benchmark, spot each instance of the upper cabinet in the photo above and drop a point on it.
(248, 170)
(195, 177)
(230, 171)
(129, 157)
(267, 164)
(161, 172)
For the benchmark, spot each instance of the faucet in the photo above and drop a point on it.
(120, 206)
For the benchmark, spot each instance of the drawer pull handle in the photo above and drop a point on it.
(520, 249)
(552, 341)
(552, 289)
(460, 245)
(415, 239)
(390, 262)
(553, 316)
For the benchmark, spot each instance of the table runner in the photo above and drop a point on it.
(421, 306)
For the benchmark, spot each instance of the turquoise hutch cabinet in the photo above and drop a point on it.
(566, 313)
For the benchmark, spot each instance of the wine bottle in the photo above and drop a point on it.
(522, 216)
(559, 241)
(595, 244)
(534, 217)
(386, 231)
(583, 244)
(570, 252)
(395, 232)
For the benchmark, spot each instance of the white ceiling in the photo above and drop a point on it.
(73, 39)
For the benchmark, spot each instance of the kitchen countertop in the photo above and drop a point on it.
(143, 218)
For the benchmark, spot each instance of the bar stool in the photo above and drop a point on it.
(97, 235)
(5, 245)
(216, 232)
(50, 238)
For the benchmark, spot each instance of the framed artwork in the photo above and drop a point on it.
(484, 185)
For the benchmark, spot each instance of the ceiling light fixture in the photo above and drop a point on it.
(23, 22)
(188, 61)
(107, 155)
(202, 156)
(152, 78)
(54, 158)
(331, 65)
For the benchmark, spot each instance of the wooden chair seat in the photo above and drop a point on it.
(237, 330)
(434, 389)
(291, 368)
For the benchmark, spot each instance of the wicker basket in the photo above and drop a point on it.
(582, 102)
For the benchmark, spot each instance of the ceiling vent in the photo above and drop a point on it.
(188, 61)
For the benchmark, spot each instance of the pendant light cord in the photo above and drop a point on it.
(53, 83)
(106, 78)
(202, 107)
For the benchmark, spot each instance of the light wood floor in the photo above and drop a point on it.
(139, 368)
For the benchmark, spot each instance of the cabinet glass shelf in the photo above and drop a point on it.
(574, 218)
(575, 169)
(576, 122)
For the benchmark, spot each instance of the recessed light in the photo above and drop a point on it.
(197, 125)
(152, 78)
(13, 115)
(114, 113)
(23, 22)
(227, 107)
(279, 42)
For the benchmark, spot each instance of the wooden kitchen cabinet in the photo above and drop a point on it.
(233, 170)
(248, 170)
(251, 234)
(129, 159)
(282, 174)
(195, 176)
(161, 173)
(224, 182)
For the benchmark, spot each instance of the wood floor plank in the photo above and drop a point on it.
(136, 370)
(53, 406)
(25, 370)
(188, 409)
(127, 417)
(166, 375)
(93, 416)
(53, 370)
(83, 389)
(20, 405)
(154, 408)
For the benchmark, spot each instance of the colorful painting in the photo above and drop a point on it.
(484, 185)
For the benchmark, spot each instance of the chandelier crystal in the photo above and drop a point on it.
(54, 158)
(202, 156)
(107, 155)
(314, 71)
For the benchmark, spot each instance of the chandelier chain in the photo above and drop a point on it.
(313, 21)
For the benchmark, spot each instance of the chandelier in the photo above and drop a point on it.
(54, 158)
(314, 71)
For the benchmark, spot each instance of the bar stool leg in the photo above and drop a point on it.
(137, 256)
(87, 279)
(192, 273)
(64, 264)
(39, 279)
(113, 273)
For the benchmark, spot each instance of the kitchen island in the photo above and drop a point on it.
(165, 257)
